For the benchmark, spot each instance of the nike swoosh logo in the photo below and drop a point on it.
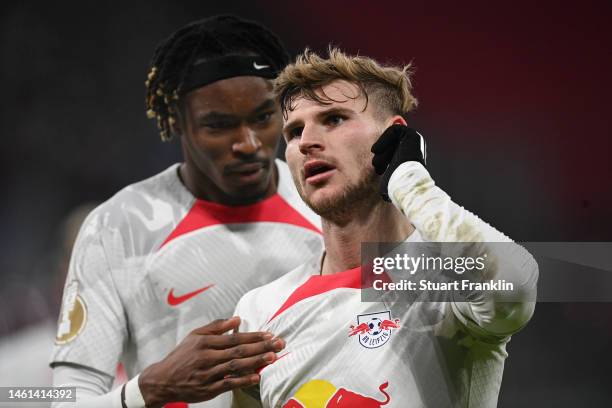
(257, 66)
(177, 300)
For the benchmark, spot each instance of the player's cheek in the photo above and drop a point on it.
(291, 157)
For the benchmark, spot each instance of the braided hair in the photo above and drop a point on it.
(208, 38)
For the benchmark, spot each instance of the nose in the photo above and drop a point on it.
(247, 143)
(310, 141)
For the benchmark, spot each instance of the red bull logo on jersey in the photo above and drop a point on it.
(374, 329)
(323, 394)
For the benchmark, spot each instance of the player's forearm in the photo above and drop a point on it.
(153, 385)
(439, 219)
(109, 400)
(92, 389)
(432, 211)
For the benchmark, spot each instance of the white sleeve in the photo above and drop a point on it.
(92, 388)
(92, 327)
(439, 219)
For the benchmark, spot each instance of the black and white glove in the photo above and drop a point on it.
(398, 144)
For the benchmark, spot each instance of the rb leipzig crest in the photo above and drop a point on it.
(374, 329)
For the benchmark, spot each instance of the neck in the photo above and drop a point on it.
(380, 222)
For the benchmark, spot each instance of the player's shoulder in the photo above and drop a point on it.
(258, 304)
(155, 197)
(163, 187)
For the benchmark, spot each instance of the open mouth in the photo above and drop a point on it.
(317, 171)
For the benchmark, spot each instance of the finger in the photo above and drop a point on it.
(224, 341)
(219, 326)
(241, 366)
(245, 350)
(380, 161)
(389, 139)
(232, 383)
(413, 147)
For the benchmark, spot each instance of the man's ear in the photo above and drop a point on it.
(397, 120)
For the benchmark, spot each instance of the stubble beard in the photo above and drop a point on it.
(353, 199)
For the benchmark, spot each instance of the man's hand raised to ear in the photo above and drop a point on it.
(398, 144)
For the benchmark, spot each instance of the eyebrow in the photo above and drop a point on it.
(214, 115)
(320, 114)
(267, 104)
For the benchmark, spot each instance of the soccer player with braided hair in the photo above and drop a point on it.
(157, 266)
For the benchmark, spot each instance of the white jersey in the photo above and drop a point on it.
(153, 263)
(420, 354)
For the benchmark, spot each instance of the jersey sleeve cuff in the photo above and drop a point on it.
(133, 396)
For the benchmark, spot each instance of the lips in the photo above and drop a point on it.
(246, 173)
(317, 171)
(247, 168)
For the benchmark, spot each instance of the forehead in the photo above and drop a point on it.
(231, 95)
(339, 94)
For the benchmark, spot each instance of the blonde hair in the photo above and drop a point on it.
(389, 85)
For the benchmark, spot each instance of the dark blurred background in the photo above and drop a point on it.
(514, 103)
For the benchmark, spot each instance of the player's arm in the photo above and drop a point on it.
(92, 323)
(93, 328)
(91, 387)
(400, 158)
(207, 363)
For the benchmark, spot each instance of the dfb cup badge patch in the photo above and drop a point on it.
(73, 315)
(374, 329)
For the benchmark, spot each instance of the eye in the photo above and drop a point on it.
(293, 132)
(334, 120)
(264, 117)
(217, 125)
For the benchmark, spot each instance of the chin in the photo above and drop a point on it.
(251, 192)
(323, 195)
(337, 203)
(322, 202)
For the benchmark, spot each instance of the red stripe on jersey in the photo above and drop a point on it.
(272, 209)
(318, 284)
